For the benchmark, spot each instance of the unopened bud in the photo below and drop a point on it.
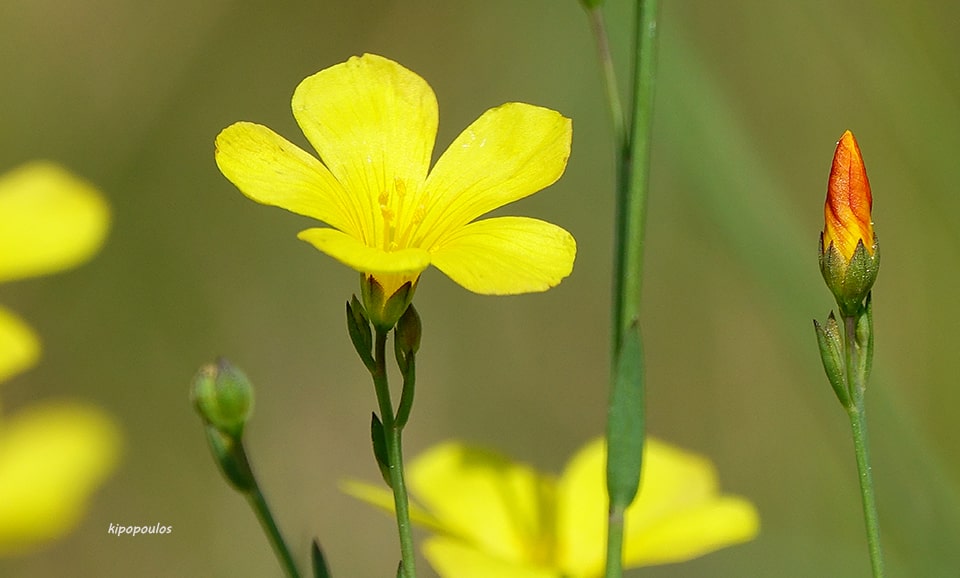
(849, 251)
(223, 396)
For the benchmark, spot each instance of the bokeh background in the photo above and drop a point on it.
(751, 99)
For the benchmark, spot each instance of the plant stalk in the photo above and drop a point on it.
(858, 425)
(392, 432)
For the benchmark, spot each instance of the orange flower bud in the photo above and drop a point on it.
(849, 251)
(847, 210)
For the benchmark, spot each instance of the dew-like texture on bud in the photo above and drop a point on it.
(847, 218)
(223, 396)
(849, 249)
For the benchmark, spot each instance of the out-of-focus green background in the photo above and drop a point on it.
(751, 99)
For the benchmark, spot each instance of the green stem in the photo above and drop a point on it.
(262, 510)
(599, 28)
(392, 430)
(614, 565)
(858, 424)
(632, 175)
(633, 192)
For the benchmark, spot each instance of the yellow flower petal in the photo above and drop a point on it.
(692, 532)
(673, 481)
(507, 255)
(273, 171)
(510, 152)
(581, 512)
(52, 456)
(373, 122)
(452, 558)
(679, 513)
(19, 345)
(355, 254)
(680, 488)
(485, 498)
(50, 220)
(382, 497)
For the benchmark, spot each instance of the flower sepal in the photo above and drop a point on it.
(382, 310)
(850, 281)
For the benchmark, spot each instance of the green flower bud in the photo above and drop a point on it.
(359, 328)
(831, 353)
(223, 396)
(406, 340)
(409, 329)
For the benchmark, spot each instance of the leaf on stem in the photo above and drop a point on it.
(380, 448)
(626, 422)
(319, 563)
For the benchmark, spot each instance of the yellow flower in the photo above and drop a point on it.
(52, 454)
(847, 219)
(373, 124)
(494, 517)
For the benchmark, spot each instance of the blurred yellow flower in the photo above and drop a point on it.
(495, 517)
(373, 123)
(52, 454)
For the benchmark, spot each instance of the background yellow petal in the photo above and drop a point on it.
(374, 123)
(507, 255)
(19, 346)
(502, 507)
(452, 558)
(52, 456)
(581, 511)
(679, 513)
(674, 480)
(382, 497)
(273, 171)
(687, 534)
(510, 152)
(355, 254)
(50, 220)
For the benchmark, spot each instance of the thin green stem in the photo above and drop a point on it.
(858, 425)
(392, 430)
(632, 179)
(614, 565)
(262, 510)
(599, 28)
(633, 192)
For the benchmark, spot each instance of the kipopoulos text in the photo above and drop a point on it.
(121, 530)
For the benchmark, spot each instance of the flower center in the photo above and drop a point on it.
(401, 213)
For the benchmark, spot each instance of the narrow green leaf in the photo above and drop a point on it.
(379, 438)
(320, 569)
(626, 421)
